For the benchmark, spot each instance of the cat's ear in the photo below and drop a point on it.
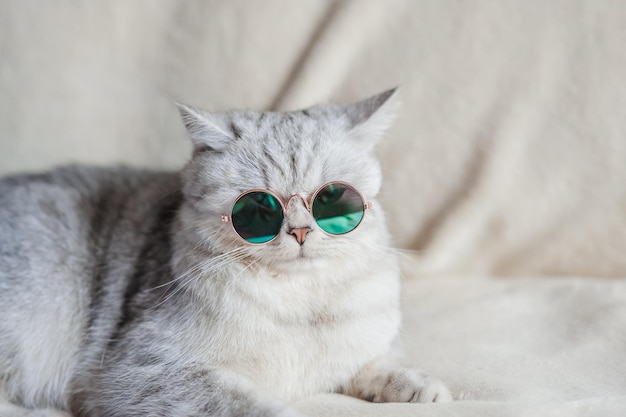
(370, 118)
(207, 131)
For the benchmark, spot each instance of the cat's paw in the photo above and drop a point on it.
(409, 385)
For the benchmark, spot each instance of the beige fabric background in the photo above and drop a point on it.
(508, 156)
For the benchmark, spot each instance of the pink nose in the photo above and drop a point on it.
(300, 233)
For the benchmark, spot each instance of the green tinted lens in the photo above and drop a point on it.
(257, 217)
(338, 208)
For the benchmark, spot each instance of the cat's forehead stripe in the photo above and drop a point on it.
(272, 160)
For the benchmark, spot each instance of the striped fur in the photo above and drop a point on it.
(123, 294)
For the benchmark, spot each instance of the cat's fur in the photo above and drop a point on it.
(122, 293)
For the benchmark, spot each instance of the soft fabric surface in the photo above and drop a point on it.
(549, 346)
(504, 170)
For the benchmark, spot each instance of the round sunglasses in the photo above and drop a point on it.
(257, 215)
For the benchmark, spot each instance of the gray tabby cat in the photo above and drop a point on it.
(123, 293)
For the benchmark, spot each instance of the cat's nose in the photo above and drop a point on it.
(300, 234)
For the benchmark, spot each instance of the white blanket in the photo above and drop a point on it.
(529, 346)
(507, 159)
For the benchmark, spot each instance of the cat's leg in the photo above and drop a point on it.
(175, 393)
(383, 381)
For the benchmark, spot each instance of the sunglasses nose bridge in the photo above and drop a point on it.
(294, 198)
(298, 216)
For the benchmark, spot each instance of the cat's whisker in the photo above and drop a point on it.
(182, 276)
(190, 271)
(207, 266)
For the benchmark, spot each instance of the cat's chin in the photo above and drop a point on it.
(298, 263)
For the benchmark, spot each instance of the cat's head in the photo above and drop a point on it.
(287, 153)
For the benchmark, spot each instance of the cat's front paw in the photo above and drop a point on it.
(409, 385)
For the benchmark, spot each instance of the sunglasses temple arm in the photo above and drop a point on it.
(226, 219)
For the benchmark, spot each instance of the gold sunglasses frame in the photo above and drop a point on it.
(308, 204)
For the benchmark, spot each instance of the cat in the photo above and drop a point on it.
(123, 292)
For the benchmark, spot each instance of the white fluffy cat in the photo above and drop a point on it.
(124, 293)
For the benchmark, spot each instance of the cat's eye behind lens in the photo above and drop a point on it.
(338, 208)
(257, 216)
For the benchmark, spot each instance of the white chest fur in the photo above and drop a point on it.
(300, 334)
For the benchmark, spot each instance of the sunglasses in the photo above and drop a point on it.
(257, 215)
